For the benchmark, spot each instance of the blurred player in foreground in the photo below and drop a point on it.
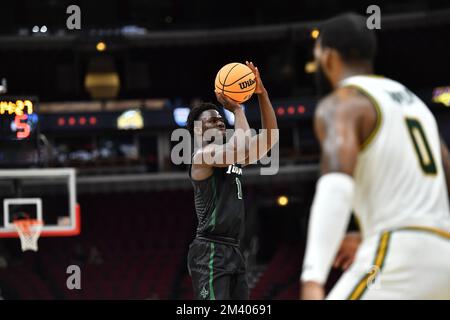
(215, 262)
(382, 156)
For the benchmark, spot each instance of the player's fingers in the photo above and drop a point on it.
(219, 97)
(251, 66)
(226, 99)
(217, 94)
(257, 72)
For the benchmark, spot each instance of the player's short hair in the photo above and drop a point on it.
(349, 35)
(197, 111)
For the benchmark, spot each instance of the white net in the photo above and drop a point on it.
(29, 231)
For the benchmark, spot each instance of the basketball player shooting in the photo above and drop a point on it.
(382, 156)
(215, 262)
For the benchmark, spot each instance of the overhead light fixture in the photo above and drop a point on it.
(310, 67)
(180, 115)
(442, 95)
(101, 46)
(315, 33)
(102, 80)
(282, 201)
(130, 120)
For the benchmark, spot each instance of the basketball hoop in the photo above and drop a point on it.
(29, 231)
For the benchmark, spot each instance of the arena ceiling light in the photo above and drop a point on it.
(310, 67)
(442, 95)
(101, 46)
(37, 29)
(130, 120)
(180, 116)
(283, 201)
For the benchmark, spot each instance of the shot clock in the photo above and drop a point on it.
(18, 119)
(19, 126)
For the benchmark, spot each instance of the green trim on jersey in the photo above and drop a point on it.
(429, 167)
(374, 76)
(375, 103)
(441, 233)
(381, 253)
(211, 273)
(378, 263)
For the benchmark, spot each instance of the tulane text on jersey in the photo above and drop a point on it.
(233, 169)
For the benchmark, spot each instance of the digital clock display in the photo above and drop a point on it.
(19, 128)
(18, 119)
(19, 107)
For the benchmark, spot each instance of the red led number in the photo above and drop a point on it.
(22, 128)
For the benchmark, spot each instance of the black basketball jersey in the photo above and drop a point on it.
(219, 203)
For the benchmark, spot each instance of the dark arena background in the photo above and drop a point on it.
(104, 100)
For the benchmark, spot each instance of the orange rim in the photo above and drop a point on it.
(24, 225)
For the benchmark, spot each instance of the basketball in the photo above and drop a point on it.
(236, 81)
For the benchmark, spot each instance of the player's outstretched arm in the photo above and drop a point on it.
(242, 147)
(337, 123)
(233, 151)
(269, 136)
(446, 163)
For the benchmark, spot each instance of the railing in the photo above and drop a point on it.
(180, 180)
(292, 31)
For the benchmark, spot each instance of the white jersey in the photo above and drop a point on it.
(399, 177)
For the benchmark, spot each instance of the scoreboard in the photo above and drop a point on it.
(19, 131)
(18, 119)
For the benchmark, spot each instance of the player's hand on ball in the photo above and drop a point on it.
(259, 85)
(226, 102)
(347, 251)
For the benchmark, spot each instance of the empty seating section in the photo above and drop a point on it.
(132, 246)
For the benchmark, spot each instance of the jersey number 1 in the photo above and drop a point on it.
(421, 146)
(239, 188)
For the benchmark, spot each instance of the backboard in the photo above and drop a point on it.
(48, 195)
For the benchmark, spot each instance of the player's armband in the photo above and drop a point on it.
(330, 215)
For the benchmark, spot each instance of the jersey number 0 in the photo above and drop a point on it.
(421, 146)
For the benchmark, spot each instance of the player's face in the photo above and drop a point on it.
(323, 83)
(212, 120)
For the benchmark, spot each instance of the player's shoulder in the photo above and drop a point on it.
(201, 153)
(199, 169)
(346, 102)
